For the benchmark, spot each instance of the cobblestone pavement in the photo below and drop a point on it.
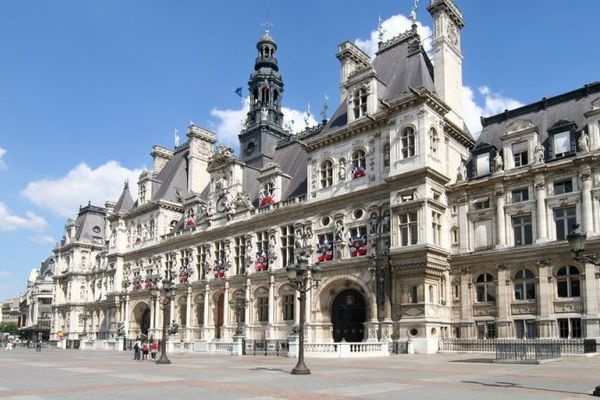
(72, 374)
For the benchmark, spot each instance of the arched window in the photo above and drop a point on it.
(485, 288)
(433, 142)
(524, 285)
(360, 102)
(359, 163)
(408, 142)
(326, 173)
(567, 282)
(442, 288)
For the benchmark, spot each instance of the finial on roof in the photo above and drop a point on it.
(126, 185)
(267, 24)
(380, 31)
(307, 115)
(177, 138)
(324, 109)
(413, 13)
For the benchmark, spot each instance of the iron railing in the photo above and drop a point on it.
(269, 347)
(565, 346)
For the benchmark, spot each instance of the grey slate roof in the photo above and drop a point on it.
(543, 114)
(172, 179)
(292, 159)
(400, 68)
(125, 202)
(90, 225)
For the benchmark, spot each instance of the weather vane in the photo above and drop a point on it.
(380, 31)
(267, 24)
(324, 109)
(176, 138)
(307, 115)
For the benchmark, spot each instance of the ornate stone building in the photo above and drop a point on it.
(36, 302)
(408, 246)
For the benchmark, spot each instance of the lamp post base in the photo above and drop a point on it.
(300, 369)
(163, 359)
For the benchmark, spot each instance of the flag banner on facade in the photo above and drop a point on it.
(266, 198)
(324, 251)
(190, 223)
(219, 269)
(262, 261)
(238, 91)
(358, 246)
(137, 283)
(357, 172)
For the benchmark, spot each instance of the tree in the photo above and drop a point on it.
(9, 327)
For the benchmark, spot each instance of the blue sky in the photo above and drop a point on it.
(87, 87)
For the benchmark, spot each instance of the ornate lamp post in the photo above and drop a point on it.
(577, 240)
(239, 304)
(165, 302)
(298, 277)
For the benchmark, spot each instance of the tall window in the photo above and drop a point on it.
(569, 327)
(524, 285)
(520, 154)
(359, 163)
(568, 282)
(436, 226)
(220, 251)
(287, 244)
(200, 260)
(414, 294)
(525, 329)
(326, 173)
(240, 255)
(262, 304)
(142, 194)
(561, 144)
(564, 219)
(408, 142)
(481, 204)
(386, 155)
(482, 164)
(522, 230)
(288, 307)
(360, 102)
(486, 330)
(408, 229)
(485, 288)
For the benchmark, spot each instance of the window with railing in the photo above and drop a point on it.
(326, 173)
(569, 327)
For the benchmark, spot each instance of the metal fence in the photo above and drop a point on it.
(527, 351)
(398, 347)
(563, 346)
(273, 347)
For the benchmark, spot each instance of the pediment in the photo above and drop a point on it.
(519, 125)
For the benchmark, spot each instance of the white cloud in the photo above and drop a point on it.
(2, 163)
(5, 274)
(43, 239)
(12, 222)
(393, 26)
(493, 103)
(230, 122)
(64, 195)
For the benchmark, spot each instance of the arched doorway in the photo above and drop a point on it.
(145, 322)
(348, 313)
(219, 317)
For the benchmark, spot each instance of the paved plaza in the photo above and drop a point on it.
(71, 374)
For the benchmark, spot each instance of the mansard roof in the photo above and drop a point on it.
(543, 114)
(90, 225)
(172, 181)
(292, 159)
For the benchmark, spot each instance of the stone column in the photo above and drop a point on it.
(590, 286)
(188, 309)
(500, 218)
(463, 223)
(540, 205)
(226, 308)
(466, 312)
(545, 299)
(206, 312)
(503, 300)
(271, 300)
(247, 295)
(587, 217)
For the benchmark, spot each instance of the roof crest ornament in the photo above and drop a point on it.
(177, 139)
(413, 13)
(267, 24)
(380, 31)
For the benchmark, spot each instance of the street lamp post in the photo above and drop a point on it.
(577, 240)
(298, 277)
(239, 304)
(165, 302)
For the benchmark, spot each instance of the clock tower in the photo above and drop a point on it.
(447, 56)
(264, 123)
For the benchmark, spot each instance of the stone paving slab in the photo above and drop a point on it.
(74, 375)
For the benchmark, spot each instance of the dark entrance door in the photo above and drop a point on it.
(145, 322)
(348, 314)
(219, 317)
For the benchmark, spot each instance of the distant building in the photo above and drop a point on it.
(421, 231)
(36, 302)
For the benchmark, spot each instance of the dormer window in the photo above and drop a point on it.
(561, 139)
(562, 143)
(520, 154)
(482, 164)
(360, 102)
(359, 163)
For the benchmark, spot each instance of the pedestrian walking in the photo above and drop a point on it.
(145, 351)
(38, 345)
(136, 350)
(153, 349)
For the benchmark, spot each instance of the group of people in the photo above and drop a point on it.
(142, 348)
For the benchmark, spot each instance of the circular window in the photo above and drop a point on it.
(96, 229)
(433, 331)
(413, 332)
(325, 221)
(358, 213)
(250, 147)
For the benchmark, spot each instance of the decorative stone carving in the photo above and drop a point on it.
(462, 171)
(538, 154)
(584, 142)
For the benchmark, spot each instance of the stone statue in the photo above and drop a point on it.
(339, 230)
(538, 154)
(385, 224)
(584, 142)
(342, 170)
(462, 171)
(227, 253)
(498, 162)
(373, 223)
(264, 114)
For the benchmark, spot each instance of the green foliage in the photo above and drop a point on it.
(8, 327)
